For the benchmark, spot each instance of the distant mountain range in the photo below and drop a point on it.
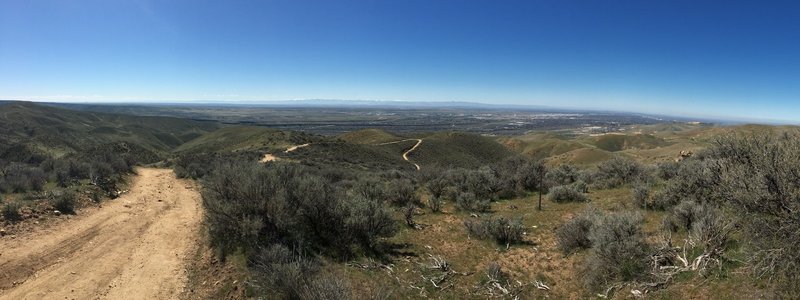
(393, 104)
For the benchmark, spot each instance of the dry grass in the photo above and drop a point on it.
(443, 235)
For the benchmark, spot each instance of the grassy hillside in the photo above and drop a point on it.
(619, 142)
(321, 151)
(370, 136)
(541, 145)
(247, 138)
(459, 150)
(55, 132)
(339, 154)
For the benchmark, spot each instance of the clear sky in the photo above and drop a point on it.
(708, 58)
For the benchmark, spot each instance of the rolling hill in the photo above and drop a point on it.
(55, 132)
(247, 138)
(458, 150)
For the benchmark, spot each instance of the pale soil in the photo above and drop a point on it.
(134, 247)
(270, 157)
(292, 148)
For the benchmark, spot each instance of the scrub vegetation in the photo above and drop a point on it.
(557, 214)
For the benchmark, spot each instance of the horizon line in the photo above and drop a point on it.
(431, 103)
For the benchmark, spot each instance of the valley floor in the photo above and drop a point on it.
(136, 246)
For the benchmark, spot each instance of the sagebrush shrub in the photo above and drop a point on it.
(435, 203)
(437, 187)
(503, 231)
(573, 235)
(64, 202)
(618, 171)
(641, 195)
(494, 272)
(567, 193)
(11, 211)
(618, 252)
(401, 193)
(684, 214)
(279, 270)
(470, 202)
(327, 287)
(667, 170)
(250, 205)
(564, 174)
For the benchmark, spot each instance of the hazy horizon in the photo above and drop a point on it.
(736, 61)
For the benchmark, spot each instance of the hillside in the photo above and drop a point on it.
(541, 145)
(458, 150)
(321, 151)
(247, 138)
(55, 132)
(369, 136)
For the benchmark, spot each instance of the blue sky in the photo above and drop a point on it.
(713, 58)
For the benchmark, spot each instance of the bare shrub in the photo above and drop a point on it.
(494, 273)
(327, 287)
(435, 203)
(711, 230)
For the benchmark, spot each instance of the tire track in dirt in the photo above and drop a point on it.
(134, 247)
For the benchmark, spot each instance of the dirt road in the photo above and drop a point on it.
(405, 154)
(271, 157)
(134, 247)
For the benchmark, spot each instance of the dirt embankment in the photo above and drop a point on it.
(134, 247)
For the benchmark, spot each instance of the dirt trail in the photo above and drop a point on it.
(405, 154)
(292, 148)
(134, 247)
(270, 157)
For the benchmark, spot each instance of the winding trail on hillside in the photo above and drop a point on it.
(405, 154)
(134, 247)
(292, 148)
(271, 157)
